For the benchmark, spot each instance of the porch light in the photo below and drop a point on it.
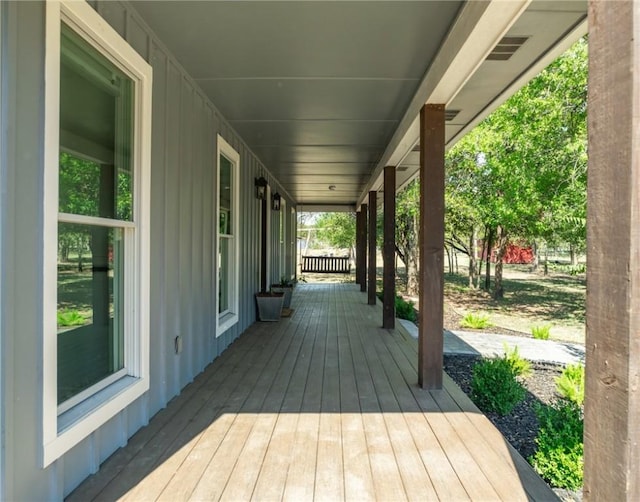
(261, 188)
(275, 203)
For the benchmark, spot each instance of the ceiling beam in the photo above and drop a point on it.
(325, 208)
(474, 34)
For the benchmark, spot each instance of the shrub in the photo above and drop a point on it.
(521, 367)
(494, 386)
(70, 318)
(559, 458)
(475, 321)
(404, 309)
(541, 332)
(570, 384)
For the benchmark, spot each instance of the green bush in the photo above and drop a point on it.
(404, 309)
(570, 384)
(521, 367)
(559, 458)
(475, 321)
(70, 318)
(494, 386)
(541, 332)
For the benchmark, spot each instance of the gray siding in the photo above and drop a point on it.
(183, 237)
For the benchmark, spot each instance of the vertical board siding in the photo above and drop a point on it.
(183, 234)
(185, 168)
(172, 228)
(23, 60)
(158, 393)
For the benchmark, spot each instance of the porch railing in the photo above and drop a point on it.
(326, 264)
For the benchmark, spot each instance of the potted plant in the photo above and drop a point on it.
(284, 286)
(269, 305)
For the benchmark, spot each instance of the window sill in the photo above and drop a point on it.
(77, 423)
(225, 322)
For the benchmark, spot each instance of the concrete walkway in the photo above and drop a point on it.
(491, 344)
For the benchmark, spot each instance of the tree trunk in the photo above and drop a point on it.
(536, 256)
(574, 255)
(501, 249)
(546, 262)
(412, 275)
(488, 243)
(472, 257)
(449, 262)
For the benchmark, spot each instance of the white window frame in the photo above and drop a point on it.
(64, 428)
(229, 318)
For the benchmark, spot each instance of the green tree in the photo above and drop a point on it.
(338, 230)
(407, 225)
(523, 168)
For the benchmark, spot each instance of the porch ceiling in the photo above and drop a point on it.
(327, 93)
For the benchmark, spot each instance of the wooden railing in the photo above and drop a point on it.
(326, 264)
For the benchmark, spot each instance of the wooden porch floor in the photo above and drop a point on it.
(320, 406)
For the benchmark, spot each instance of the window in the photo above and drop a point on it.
(227, 248)
(96, 277)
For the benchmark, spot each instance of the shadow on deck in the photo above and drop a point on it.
(321, 405)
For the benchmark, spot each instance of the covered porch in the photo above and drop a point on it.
(323, 405)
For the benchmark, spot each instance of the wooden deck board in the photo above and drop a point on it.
(319, 406)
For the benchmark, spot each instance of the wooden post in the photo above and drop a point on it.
(389, 249)
(612, 397)
(361, 246)
(363, 250)
(431, 273)
(371, 297)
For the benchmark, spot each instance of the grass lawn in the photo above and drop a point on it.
(530, 299)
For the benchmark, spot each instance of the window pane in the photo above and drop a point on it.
(224, 268)
(96, 124)
(226, 180)
(90, 315)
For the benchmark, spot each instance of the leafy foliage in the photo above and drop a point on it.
(570, 384)
(541, 332)
(337, 229)
(405, 309)
(521, 367)
(407, 224)
(494, 386)
(70, 318)
(559, 458)
(475, 321)
(522, 171)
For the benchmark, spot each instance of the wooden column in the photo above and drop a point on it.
(371, 296)
(612, 398)
(361, 246)
(431, 269)
(362, 253)
(389, 249)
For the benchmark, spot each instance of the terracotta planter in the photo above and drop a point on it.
(269, 306)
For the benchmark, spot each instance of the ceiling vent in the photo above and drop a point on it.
(506, 48)
(449, 115)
